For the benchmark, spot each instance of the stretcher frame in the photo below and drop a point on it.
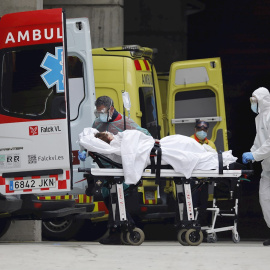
(190, 232)
(211, 230)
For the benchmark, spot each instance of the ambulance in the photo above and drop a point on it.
(36, 120)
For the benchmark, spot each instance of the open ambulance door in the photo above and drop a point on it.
(34, 121)
(195, 91)
(81, 91)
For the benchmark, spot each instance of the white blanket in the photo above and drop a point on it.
(132, 148)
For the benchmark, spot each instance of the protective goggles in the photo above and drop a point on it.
(202, 125)
(98, 113)
(253, 100)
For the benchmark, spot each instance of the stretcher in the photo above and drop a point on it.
(189, 230)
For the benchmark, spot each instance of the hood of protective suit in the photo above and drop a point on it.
(263, 97)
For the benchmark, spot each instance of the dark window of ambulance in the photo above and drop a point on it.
(149, 111)
(194, 104)
(23, 93)
(76, 85)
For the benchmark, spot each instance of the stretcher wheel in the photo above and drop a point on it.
(181, 237)
(123, 237)
(211, 238)
(136, 238)
(236, 237)
(194, 237)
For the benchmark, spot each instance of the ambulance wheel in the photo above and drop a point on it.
(236, 237)
(211, 238)
(61, 229)
(194, 237)
(136, 238)
(4, 226)
(123, 237)
(181, 237)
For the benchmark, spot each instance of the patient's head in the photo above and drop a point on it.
(104, 136)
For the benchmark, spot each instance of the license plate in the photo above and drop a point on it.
(149, 195)
(32, 183)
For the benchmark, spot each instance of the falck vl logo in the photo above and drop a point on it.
(54, 66)
(33, 130)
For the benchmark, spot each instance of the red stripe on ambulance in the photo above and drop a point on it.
(2, 181)
(137, 65)
(146, 65)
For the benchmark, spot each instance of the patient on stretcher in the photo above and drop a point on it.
(132, 148)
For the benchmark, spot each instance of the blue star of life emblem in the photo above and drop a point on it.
(54, 66)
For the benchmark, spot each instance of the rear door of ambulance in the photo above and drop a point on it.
(81, 91)
(195, 91)
(34, 123)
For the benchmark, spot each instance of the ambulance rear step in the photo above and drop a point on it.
(64, 212)
(89, 206)
(90, 215)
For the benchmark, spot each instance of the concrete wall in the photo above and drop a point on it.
(105, 16)
(11, 6)
(160, 25)
(23, 230)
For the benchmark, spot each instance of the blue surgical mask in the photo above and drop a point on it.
(254, 107)
(103, 117)
(201, 135)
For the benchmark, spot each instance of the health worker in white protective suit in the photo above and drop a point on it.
(260, 151)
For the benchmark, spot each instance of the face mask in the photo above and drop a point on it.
(103, 117)
(254, 107)
(201, 135)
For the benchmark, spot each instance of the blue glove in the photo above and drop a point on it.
(82, 155)
(246, 157)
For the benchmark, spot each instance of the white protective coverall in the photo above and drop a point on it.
(261, 148)
(133, 148)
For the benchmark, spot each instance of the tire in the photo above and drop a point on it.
(181, 237)
(194, 237)
(236, 238)
(211, 238)
(61, 229)
(136, 239)
(123, 237)
(4, 226)
(92, 231)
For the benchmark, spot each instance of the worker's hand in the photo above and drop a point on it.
(246, 157)
(82, 155)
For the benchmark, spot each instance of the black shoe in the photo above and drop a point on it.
(266, 242)
(112, 239)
